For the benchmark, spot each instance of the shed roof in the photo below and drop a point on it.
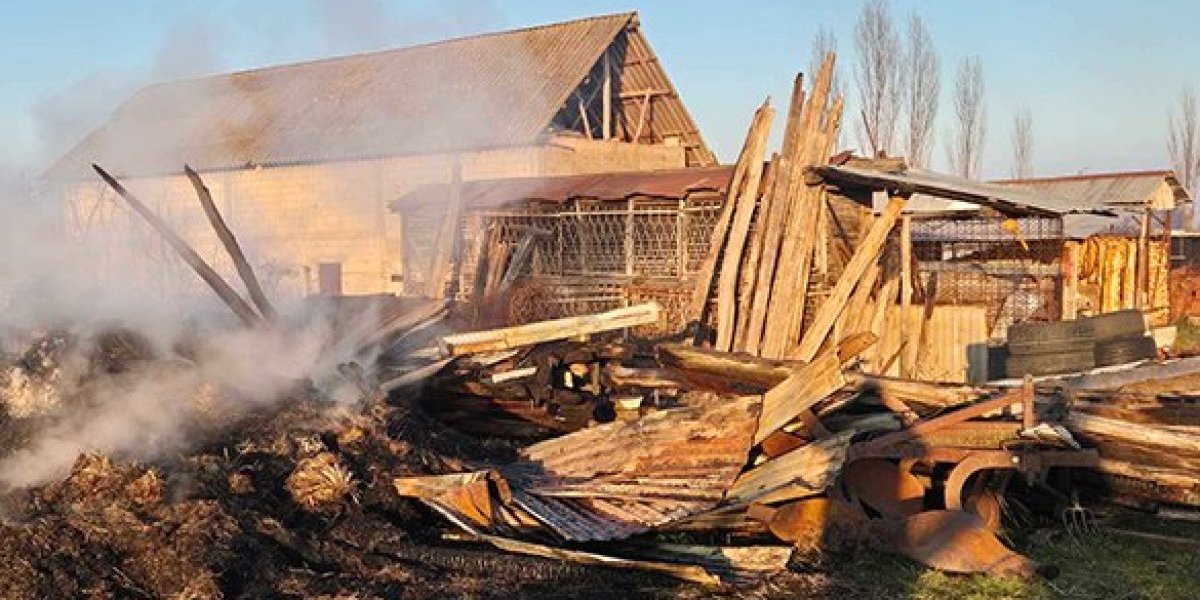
(1130, 188)
(1009, 200)
(491, 193)
(486, 91)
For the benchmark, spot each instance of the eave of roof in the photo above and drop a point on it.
(1013, 201)
(493, 193)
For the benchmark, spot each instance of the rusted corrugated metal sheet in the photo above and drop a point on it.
(673, 184)
(485, 91)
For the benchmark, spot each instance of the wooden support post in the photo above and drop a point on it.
(641, 123)
(1070, 286)
(1028, 418)
(629, 237)
(583, 116)
(606, 102)
(906, 287)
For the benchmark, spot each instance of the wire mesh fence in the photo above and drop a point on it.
(1011, 266)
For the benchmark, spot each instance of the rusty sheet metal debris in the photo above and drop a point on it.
(885, 487)
(958, 542)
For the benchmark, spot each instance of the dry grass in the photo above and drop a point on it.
(320, 481)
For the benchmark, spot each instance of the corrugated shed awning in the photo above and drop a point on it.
(1009, 200)
(492, 193)
(1160, 189)
(487, 91)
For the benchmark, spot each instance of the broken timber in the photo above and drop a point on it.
(460, 344)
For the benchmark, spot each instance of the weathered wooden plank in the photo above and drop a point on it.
(731, 257)
(866, 254)
(708, 269)
(785, 309)
(460, 344)
(804, 471)
(802, 389)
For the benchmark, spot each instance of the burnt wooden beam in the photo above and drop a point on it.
(210, 276)
(229, 241)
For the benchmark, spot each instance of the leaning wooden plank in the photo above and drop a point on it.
(866, 254)
(804, 471)
(244, 270)
(789, 286)
(739, 230)
(231, 298)
(691, 573)
(802, 389)
(708, 269)
(460, 344)
(748, 272)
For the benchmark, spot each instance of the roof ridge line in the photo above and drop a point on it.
(629, 15)
(1086, 176)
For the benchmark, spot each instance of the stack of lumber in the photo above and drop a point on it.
(1149, 451)
(771, 232)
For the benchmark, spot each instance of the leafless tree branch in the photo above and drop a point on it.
(1183, 139)
(922, 82)
(878, 75)
(1022, 144)
(970, 113)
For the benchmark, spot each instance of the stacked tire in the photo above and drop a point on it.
(1121, 338)
(1050, 348)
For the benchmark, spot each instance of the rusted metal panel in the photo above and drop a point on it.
(494, 193)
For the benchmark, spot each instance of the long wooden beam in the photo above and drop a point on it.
(240, 307)
(244, 270)
(866, 254)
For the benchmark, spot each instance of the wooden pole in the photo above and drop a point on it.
(210, 276)
(905, 284)
(606, 102)
(244, 270)
(731, 259)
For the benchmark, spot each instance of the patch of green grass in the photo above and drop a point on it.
(1102, 565)
(1187, 341)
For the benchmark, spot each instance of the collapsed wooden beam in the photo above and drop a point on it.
(240, 307)
(244, 270)
(547, 331)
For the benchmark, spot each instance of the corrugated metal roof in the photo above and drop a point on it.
(487, 91)
(1103, 189)
(1010, 200)
(669, 183)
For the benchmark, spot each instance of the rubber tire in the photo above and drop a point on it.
(1063, 346)
(1118, 325)
(1125, 350)
(1049, 364)
(1023, 333)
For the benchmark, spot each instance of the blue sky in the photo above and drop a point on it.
(1098, 77)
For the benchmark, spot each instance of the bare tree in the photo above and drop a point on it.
(922, 83)
(1183, 140)
(1022, 144)
(877, 75)
(970, 113)
(823, 43)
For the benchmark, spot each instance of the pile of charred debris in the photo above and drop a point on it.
(571, 457)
